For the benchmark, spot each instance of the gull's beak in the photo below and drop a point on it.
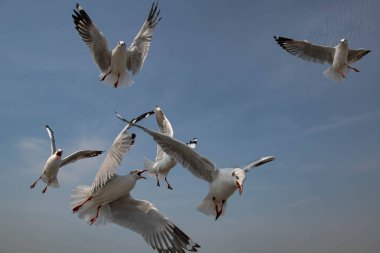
(140, 172)
(240, 187)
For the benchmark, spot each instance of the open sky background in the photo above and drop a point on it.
(217, 73)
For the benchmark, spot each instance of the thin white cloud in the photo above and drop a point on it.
(342, 122)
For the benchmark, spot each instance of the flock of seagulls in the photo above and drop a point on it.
(108, 199)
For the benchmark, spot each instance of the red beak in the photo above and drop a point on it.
(240, 187)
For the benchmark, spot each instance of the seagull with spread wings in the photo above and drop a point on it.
(114, 65)
(109, 200)
(222, 182)
(163, 163)
(55, 161)
(339, 57)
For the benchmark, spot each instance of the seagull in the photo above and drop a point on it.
(115, 64)
(222, 182)
(164, 163)
(339, 57)
(55, 161)
(109, 200)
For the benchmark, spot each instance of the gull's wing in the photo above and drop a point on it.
(307, 50)
(94, 39)
(257, 163)
(356, 54)
(79, 155)
(198, 165)
(121, 145)
(163, 123)
(165, 128)
(52, 139)
(139, 48)
(157, 230)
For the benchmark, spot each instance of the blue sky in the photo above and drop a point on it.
(217, 73)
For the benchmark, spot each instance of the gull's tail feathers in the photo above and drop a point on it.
(87, 211)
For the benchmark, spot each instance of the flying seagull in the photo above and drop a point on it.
(114, 65)
(222, 182)
(109, 200)
(55, 161)
(339, 57)
(163, 163)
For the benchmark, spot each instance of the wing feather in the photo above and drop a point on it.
(121, 145)
(94, 38)
(52, 139)
(198, 165)
(139, 47)
(258, 163)
(80, 155)
(165, 128)
(144, 218)
(307, 50)
(356, 54)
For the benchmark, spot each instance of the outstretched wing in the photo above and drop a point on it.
(165, 128)
(121, 145)
(80, 155)
(258, 163)
(356, 54)
(198, 165)
(94, 39)
(157, 230)
(52, 139)
(139, 48)
(307, 50)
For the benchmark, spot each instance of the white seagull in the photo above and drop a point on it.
(339, 57)
(114, 64)
(164, 163)
(55, 161)
(109, 200)
(222, 182)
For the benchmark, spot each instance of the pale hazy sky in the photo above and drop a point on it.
(217, 73)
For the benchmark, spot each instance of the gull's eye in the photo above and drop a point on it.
(237, 177)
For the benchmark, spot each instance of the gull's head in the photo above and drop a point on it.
(344, 41)
(157, 109)
(137, 174)
(121, 43)
(238, 176)
(59, 152)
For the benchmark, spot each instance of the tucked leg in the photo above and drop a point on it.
(104, 77)
(76, 208)
(158, 180)
(354, 69)
(169, 186)
(44, 190)
(96, 216)
(218, 212)
(340, 68)
(117, 81)
(34, 184)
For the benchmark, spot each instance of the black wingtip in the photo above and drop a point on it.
(282, 41)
